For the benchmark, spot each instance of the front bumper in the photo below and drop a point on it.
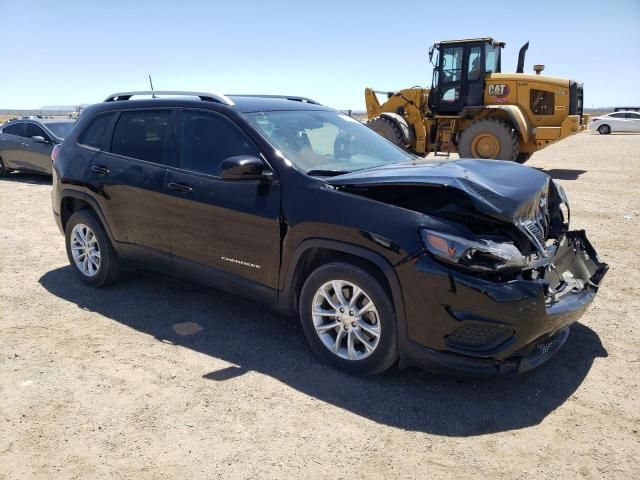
(461, 323)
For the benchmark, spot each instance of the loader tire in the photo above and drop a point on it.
(388, 129)
(489, 138)
(523, 157)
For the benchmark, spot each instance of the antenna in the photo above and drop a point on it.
(151, 84)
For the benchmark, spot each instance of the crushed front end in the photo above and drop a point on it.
(460, 321)
(497, 277)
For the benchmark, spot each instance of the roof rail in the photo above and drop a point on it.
(207, 97)
(293, 98)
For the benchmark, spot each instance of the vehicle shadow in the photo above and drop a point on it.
(563, 173)
(30, 178)
(251, 337)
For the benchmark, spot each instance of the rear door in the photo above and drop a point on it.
(11, 144)
(217, 225)
(129, 175)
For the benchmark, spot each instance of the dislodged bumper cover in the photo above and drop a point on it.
(535, 314)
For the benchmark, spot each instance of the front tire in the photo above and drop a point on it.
(89, 250)
(604, 129)
(489, 139)
(388, 129)
(348, 319)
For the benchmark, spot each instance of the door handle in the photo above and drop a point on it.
(180, 187)
(24, 144)
(100, 170)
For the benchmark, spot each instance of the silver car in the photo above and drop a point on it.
(26, 144)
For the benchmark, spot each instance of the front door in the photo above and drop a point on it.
(221, 227)
(449, 93)
(37, 155)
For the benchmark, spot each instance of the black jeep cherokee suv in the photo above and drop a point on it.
(464, 266)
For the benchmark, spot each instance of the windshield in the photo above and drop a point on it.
(326, 143)
(60, 129)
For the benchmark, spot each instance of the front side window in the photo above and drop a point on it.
(15, 129)
(542, 102)
(206, 139)
(141, 134)
(618, 115)
(95, 132)
(326, 143)
(33, 130)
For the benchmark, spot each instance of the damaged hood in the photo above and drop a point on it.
(504, 190)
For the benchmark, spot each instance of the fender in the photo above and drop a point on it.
(517, 118)
(407, 131)
(67, 192)
(287, 297)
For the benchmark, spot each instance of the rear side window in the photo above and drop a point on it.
(206, 139)
(542, 102)
(141, 134)
(14, 129)
(95, 132)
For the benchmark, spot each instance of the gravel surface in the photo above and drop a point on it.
(157, 378)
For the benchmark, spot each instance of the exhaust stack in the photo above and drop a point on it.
(523, 52)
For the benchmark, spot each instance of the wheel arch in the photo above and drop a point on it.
(72, 201)
(514, 115)
(314, 252)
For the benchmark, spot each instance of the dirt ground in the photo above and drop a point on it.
(155, 378)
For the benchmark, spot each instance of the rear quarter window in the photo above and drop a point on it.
(94, 134)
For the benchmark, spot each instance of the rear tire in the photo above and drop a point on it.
(604, 129)
(89, 250)
(354, 330)
(388, 129)
(490, 139)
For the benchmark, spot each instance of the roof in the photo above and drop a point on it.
(471, 40)
(242, 103)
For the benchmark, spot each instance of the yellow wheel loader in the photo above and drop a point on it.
(474, 109)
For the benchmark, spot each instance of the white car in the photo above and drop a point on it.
(616, 122)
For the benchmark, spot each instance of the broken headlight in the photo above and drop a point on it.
(480, 255)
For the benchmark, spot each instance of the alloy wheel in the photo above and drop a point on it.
(346, 320)
(85, 250)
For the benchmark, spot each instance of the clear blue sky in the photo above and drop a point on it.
(71, 52)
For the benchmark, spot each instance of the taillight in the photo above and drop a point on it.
(54, 152)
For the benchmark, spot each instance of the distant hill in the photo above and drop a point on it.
(70, 108)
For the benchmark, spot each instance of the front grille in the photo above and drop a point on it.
(535, 229)
(477, 337)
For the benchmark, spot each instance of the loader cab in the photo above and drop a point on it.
(459, 72)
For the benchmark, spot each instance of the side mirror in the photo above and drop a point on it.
(244, 167)
(39, 139)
